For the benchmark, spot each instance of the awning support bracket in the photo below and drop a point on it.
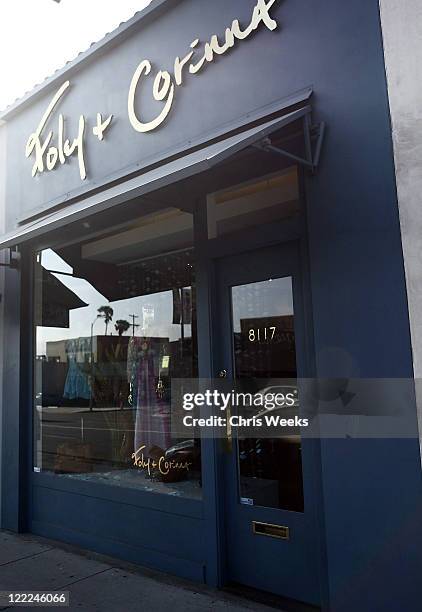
(311, 133)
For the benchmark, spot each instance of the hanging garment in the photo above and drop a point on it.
(77, 385)
(152, 421)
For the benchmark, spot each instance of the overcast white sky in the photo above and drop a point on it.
(39, 36)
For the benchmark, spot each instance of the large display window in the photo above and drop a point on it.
(115, 321)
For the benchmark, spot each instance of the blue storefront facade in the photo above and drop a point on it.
(163, 191)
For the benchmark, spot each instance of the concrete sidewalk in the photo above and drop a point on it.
(29, 563)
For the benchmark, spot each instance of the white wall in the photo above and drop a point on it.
(402, 33)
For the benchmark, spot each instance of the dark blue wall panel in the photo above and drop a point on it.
(169, 542)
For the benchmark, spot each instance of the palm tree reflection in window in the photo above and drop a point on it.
(106, 312)
(121, 326)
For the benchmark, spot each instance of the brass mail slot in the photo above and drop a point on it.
(272, 531)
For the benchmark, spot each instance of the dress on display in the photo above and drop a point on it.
(152, 422)
(77, 385)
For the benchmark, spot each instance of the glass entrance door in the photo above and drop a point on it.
(263, 335)
(271, 528)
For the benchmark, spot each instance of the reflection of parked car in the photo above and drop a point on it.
(182, 461)
(268, 396)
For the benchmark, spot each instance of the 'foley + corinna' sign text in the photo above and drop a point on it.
(52, 149)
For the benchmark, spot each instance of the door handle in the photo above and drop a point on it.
(229, 432)
(228, 441)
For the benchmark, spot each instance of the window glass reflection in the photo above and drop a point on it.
(112, 330)
(270, 469)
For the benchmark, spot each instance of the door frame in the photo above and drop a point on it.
(276, 261)
(207, 252)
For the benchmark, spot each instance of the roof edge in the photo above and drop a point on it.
(107, 41)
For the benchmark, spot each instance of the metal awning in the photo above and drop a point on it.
(171, 172)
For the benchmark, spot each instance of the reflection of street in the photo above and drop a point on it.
(98, 428)
(91, 433)
(97, 446)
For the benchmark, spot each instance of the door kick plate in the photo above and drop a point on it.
(273, 531)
